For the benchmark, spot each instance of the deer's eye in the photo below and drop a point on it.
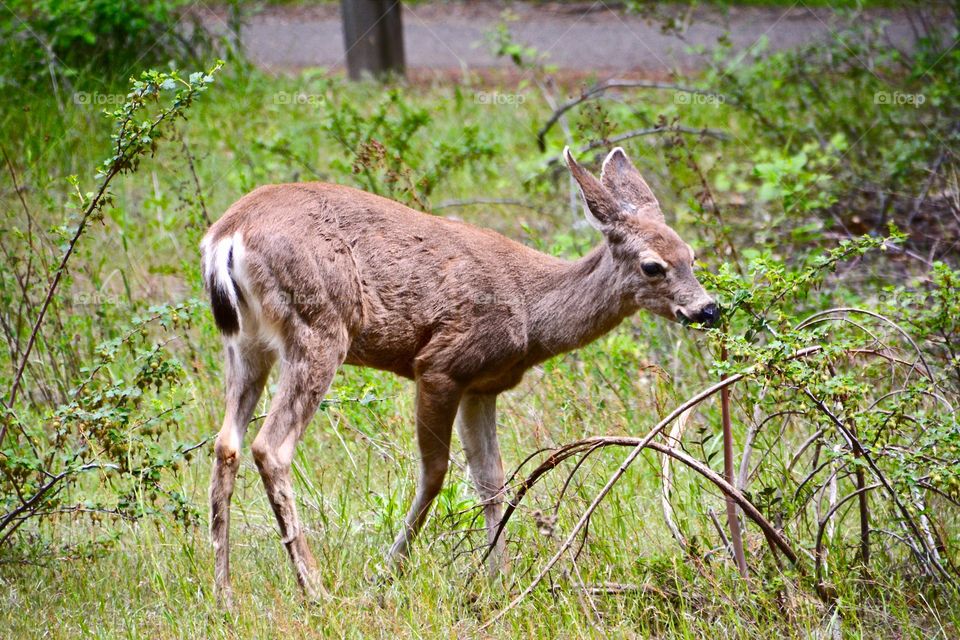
(652, 269)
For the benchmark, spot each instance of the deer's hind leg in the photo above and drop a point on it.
(248, 365)
(310, 360)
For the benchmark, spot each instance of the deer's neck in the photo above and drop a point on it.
(576, 302)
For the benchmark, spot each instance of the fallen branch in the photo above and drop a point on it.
(563, 453)
(774, 537)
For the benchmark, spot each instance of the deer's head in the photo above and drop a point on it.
(654, 264)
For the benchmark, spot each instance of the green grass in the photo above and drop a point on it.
(155, 581)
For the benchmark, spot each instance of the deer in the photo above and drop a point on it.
(317, 275)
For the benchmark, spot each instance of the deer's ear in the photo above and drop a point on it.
(602, 208)
(627, 186)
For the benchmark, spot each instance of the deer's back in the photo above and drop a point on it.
(415, 291)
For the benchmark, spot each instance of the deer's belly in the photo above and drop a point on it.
(497, 382)
(379, 353)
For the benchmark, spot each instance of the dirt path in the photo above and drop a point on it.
(585, 37)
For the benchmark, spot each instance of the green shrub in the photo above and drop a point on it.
(101, 418)
(45, 39)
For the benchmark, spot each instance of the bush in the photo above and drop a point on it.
(101, 417)
(45, 38)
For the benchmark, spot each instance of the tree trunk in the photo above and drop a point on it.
(373, 36)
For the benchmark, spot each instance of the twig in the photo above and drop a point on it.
(600, 89)
(822, 527)
(676, 435)
(743, 477)
(736, 539)
(705, 197)
(572, 189)
(774, 538)
(23, 282)
(720, 532)
(636, 133)
(584, 593)
(196, 180)
(918, 502)
(922, 197)
(39, 494)
(856, 446)
(880, 317)
(94, 204)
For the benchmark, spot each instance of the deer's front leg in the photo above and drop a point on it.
(437, 399)
(477, 426)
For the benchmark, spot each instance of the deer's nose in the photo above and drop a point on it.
(709, 315)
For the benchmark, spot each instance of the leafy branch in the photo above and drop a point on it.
(132, 140)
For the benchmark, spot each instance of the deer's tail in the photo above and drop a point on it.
(225, 296)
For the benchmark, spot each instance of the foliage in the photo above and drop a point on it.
(503, 44)
(875, 119)
(878, 413)
(45, 38)
(114, 429)
(104, 422)
(931, 310)
(384, 147)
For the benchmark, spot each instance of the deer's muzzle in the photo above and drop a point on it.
(706, 315)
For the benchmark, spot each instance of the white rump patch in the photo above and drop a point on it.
(218, 270)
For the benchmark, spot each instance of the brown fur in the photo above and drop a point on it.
(324, 275)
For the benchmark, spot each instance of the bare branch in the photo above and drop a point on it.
(600, 89)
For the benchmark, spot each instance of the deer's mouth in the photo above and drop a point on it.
(707, 316)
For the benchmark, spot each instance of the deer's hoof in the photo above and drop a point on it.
(225, 599)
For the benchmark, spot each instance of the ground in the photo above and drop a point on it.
(585, 37)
